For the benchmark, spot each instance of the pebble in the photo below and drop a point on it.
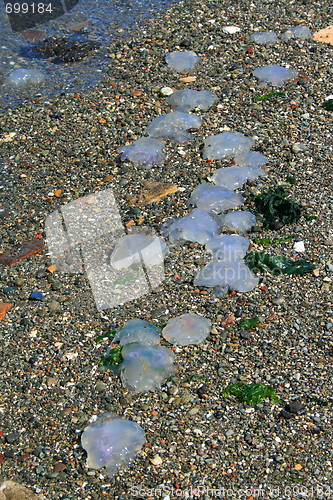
(38, 296)
(278, 301)
(299, 147)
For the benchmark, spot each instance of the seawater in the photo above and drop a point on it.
(102, 21)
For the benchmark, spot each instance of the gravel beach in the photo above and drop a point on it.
(52, 381)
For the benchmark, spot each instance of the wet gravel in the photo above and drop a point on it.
(51, 378)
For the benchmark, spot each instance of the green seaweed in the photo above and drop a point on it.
(112, 357)
(249, 323)
(266, 242)
(277, 211)
(107, 335)
(277, 264)
(252, 394)
(265, 97)
(328, 105)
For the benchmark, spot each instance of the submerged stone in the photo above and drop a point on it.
(112, 442)
(264, 37)
(23, 77)
(235, 177)
(138, 331)
(215, 199)
(181, 60)
(187, 329)
(227, 247)
(174, 126)
(144, 152)
(250, 159)
(145, 367)
(227, 144)
(188, 99)
(274, 75)
(65, 50)
(195, 226)
(239, 222)
(300, 32)
(135, 248)
(234, 274)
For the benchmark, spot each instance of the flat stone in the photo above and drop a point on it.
(325, 35)
(153, 192)
(4, 307)
(14, 491)
(27, 249)
(278, 301)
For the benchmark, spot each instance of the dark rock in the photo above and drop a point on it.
(11, 438)
(285, 414)
(65, 50)
(296, 407)
(245, 334)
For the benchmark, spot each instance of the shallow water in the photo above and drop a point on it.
(90, 20)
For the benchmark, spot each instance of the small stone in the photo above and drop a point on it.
(245, 334)
(11, 438)
(278, 301)
(229, 433)
(59, 467)
(193, 411)
(166, 91)
(295, 406)
(299, 246)
(156, 460)
(231, 29)
(187, 79)
(101, 387)
(54, 306)
(38, 296)
(56, 285)
(328, 326)
(9, 453)
(10, 291)
(299, 147)
(324, 35)
(4, 307)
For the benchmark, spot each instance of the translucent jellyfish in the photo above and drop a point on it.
(215, 199)
(182, 60)
(174, 126)
(135, 248)
(188, 99)
(234, 274)
(274, 75)
(227, 144)
(138, 331)
(250, 159)
(112, 442)
(300, 32)
(227, 247)
(195, 226)
(187, 329)
(23, 77)
(263, 37)
(235, 177)
(239, 222)
(145, 367)
(144, 152)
